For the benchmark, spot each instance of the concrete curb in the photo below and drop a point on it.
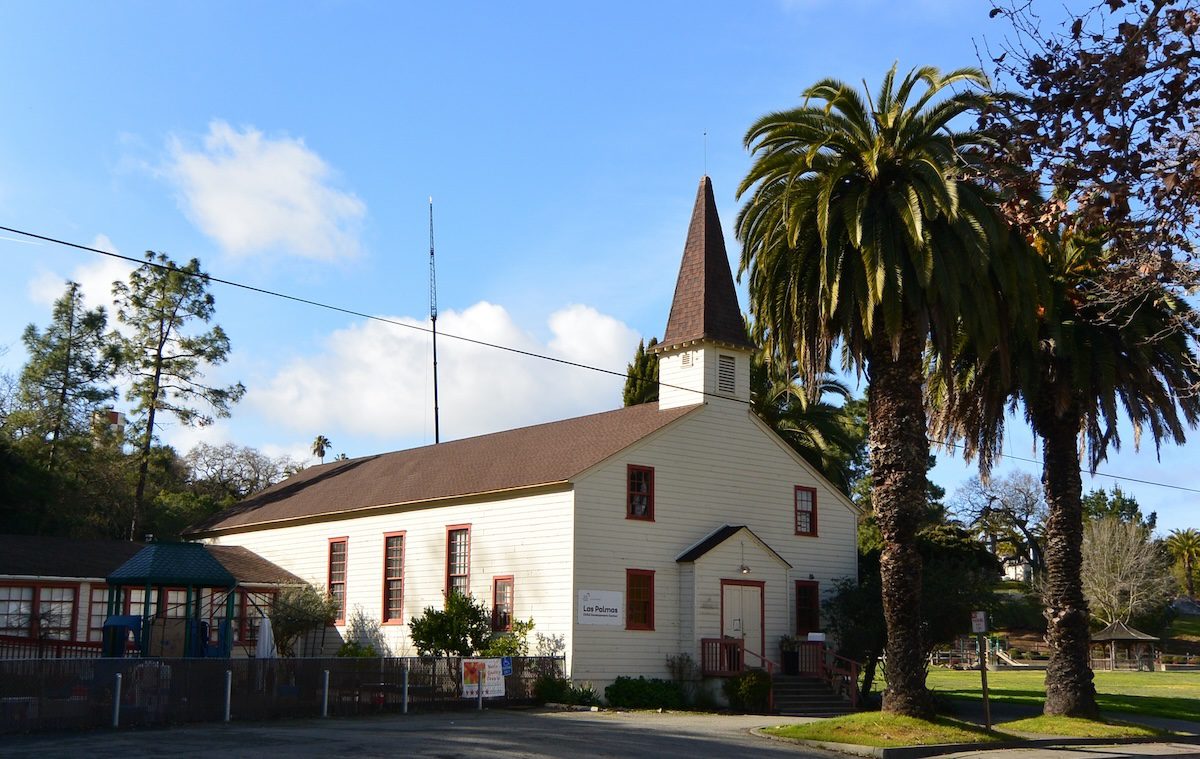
(916, 752)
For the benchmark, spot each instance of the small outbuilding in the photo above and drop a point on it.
(1136, 646)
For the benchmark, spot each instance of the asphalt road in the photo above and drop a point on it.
(501, 734)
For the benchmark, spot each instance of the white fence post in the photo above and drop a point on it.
(479, 685)
(228, 692)
(117, 702)
(404, 680)
(325, 694)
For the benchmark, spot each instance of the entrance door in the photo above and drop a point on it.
(742, 616)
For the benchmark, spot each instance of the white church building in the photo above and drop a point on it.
(637, 534)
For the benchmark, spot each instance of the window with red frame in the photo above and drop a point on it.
(639, 490)
(806, 510)
(639, 599)
(393, 578)
(458, 560)
(502, 604)
(808, 607)
(97, 613)
(44, 611)
(337, 575)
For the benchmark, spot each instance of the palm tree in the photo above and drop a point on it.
(821, 432)
(866, 229)
(320, 446)
(1085, 367)
(1184, 546)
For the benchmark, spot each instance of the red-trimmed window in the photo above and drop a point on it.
(393, 577)
(639, 492)
(639, 599)
(808, 607)
(458, 559)
(97, 613)
(16, 611)
(806, 510)
(337, 575)
(38, 611)
(502, 603)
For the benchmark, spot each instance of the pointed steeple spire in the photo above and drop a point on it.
(706, 304)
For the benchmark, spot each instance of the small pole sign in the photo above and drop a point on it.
(979, 627)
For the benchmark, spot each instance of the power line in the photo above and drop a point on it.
(495, 346)
(351, 312)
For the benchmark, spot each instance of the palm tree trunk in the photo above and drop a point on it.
(899, 456)
(1069, 687)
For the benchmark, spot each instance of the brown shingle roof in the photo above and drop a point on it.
(538, 455)
(44, 556)
(705, 304)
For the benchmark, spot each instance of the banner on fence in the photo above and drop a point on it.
(601, 607)
(493, 678)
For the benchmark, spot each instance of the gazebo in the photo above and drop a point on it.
(158, 569)
(1138, 646)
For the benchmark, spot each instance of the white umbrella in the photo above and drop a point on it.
(265, 648)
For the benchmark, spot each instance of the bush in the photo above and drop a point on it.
(515, 643)
(353, 649)
(551, 689)
(749, 691)
(296, 610)
(463, 628)
(644, 694)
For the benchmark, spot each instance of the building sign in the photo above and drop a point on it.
(602, 607)
(489, 670)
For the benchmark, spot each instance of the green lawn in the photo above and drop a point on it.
(1078, 728)
(889, 730)
(1175, 695)
(1185, 628)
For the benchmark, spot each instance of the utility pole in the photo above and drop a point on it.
(433, 320)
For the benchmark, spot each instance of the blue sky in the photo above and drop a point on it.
(293, 146)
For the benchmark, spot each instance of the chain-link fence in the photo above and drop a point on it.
(72, 694)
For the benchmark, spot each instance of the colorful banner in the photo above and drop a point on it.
(489, 670)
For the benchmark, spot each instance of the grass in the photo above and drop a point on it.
(1174, 695)
(1080, 728)
(889, 730)
(1185, 628)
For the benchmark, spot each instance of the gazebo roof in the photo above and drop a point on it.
(177, 564)
(1119, 631)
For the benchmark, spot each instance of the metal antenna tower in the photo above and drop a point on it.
(433, 320)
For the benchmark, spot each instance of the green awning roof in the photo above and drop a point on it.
(179, 564)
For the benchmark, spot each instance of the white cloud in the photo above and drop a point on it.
(374, 379)
(95, 279)
(254, 194)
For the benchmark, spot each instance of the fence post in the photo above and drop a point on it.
(479, 692)
(117, 702)
(404, 680)
(325, 694)
(228, 691)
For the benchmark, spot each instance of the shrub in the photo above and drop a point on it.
(749, 691)
(584, 695)
(461, 629)
(515, 643)
(641, 693)
(295, 611)
(355, 650)
(551, 689)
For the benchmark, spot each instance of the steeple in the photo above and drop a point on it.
(705, 354)
(705, 305)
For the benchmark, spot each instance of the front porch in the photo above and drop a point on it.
(729, 657)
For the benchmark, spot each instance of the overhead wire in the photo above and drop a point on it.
(484, 343)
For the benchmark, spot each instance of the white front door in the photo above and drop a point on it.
(742, 616)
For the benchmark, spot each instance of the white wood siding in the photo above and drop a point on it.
(713, 467)
(528, 537)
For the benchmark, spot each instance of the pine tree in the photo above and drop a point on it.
(641, 376)
(165, 365)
